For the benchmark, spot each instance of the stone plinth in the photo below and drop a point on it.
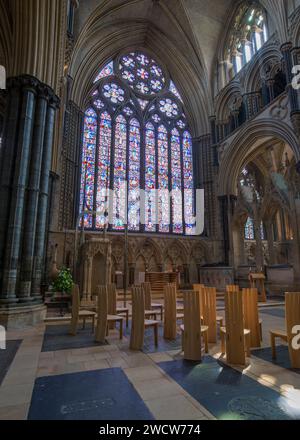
(13, 318)
(218, 277)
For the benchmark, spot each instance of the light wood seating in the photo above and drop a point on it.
(149, 305)
(232, 288)
(171, 316)
(234, 337)
(139, 323)
(78, 314)
(104, 319)
(251, 318)
(292, 318)
(192, 330)
(113, 308)
(208, 306)
(257, 280)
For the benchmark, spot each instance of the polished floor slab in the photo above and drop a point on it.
(227, 393)
(91, 395)
(7, 356)
(57, 337)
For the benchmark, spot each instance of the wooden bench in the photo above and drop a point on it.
(292, 319)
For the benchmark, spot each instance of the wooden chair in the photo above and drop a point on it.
(292, 318)
(139, 323)
(104, 319)
(232, 288)
(171, 316)
(113, 309)
(192, 330)
(235, 335)
(208, 299)
(78, 314)
(251, 318)
(149, 305)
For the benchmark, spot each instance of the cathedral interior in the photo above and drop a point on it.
(149, 147)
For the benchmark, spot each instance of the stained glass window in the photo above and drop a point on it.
(136, 138)
(104, 148)
(150, 179)
(188, 183)
(176, 183)
(120, 166)
(163, 180)
(88, 167)
(249, 229)
(134, 176)
(108, 70)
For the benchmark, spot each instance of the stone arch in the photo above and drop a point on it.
(264, 66)
(174, 250)
(246, 143)
(150, 251)
(105, 34)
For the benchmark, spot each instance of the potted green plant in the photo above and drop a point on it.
(64, 282)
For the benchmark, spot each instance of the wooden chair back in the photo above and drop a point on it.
(101, 328)
(75, 309)
(147, 293)
(209, 311)
(199, 288)
(112, 299)
(251, 317)
(235, 341)
(292, 317)
(138, 319)
(170, 321)
(192, 326)
(232, 288)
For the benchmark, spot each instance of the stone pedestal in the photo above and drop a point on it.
(218, 277)
(14, 318)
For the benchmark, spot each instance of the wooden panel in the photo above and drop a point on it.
(292, 308)
(235, 342)
(75, 309)
(170, 322)
(192, 326)
(147, 293)
(257, 280)
(199, 288)
(102, 314)
(232, 288)
(159, 280)
(138, 319)
(209, 312)
(251, 317)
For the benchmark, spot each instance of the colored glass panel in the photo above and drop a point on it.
(150, 179)
(187, 153)
(88, 168)
(176, 183)
(104, 151)
(163, 181)
(119, 203)
(134, 176)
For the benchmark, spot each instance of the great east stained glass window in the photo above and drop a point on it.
(137, 167)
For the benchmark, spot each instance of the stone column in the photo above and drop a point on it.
(32, 198)
(259, 246)
(14, 98)
(270, 239)
(39, 251)
(286, 50)
(21, 150)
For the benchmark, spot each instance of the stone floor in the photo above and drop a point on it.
(144, 379)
